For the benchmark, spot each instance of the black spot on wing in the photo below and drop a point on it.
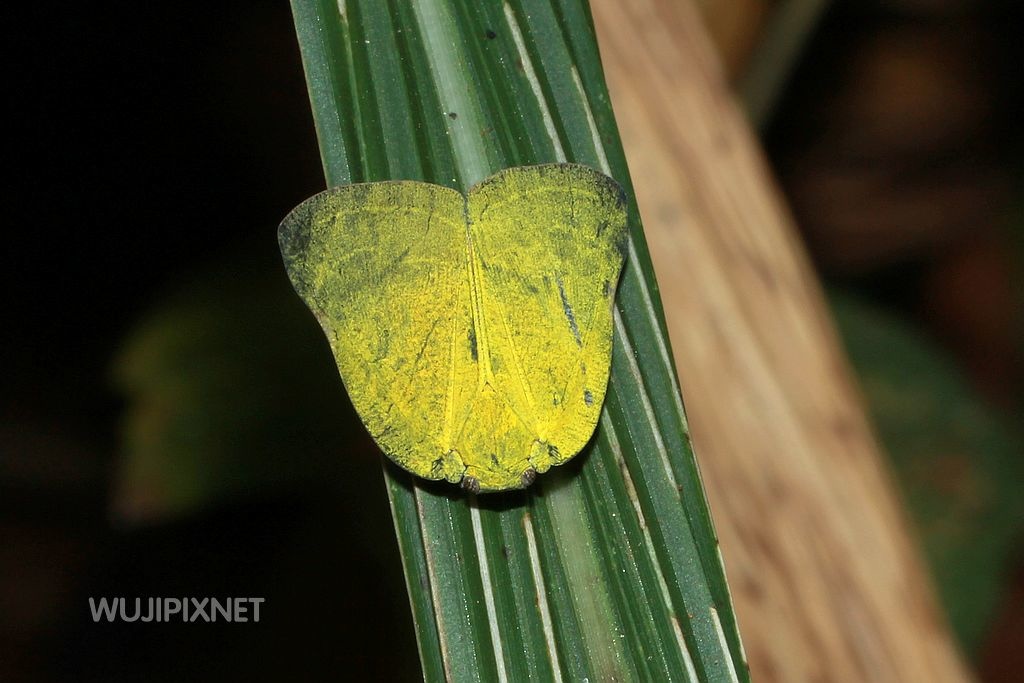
(588, 397)
(569, 315)
(471, 336)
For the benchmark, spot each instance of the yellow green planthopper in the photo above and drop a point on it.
(473, 334)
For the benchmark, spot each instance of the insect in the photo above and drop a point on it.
(472, 333)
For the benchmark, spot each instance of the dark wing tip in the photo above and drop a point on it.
(602, 180)
(293, 237)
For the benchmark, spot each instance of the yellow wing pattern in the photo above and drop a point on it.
(548, 245)
(474, 338)
(382, 266)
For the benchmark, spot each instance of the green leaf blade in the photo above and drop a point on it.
(609, 568)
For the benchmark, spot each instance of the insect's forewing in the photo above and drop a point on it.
(548, 246)
(383, 266)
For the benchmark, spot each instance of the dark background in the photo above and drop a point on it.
(153, 153)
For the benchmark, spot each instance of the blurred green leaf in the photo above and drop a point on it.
(229, 393)
(957, 461)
